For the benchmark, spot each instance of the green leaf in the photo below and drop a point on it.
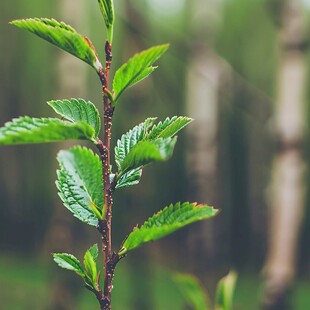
(63, 36)
(136, 69)
(225, 292)
(90, 258)
(192, 290)
(107, 10)
(144, 74)
(168, 128)
(77, 110)
(93, 250)
(131, 142)
(129, 178)
(98, 212)
(146, 152)
(80, 183)
(130, 139)
(25, 130)
(122, 149)
(68, 261)
(165, 222)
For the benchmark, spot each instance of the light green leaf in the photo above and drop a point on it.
(144, 74)
(98, 212)
(192, 290)
(25, 130)
(130, 139)
(107, 10)
(77, 110)
(63, 36)
(168, 128)
(93, 250)
(68, 261)
(146, 152)
(166, 222)
(90, 258)
(225, 292)
(136, 69)
(80, 183)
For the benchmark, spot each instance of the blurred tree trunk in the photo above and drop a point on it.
(287, 192)
(70, 83)
(10, 166)
(203, 86)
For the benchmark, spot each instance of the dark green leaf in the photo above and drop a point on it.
(107, 10)
(63, 36)
(146, 152)
(166, 222)
(90, 258)
(136, 69)
(168, 128)
(225, 292)
(80, 183)
(25, 130)
(78, 110)
(192, 290)
(68, 261)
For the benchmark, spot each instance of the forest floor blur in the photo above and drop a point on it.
(25, 284)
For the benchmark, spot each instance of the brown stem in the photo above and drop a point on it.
(110, 258)
(108, 59)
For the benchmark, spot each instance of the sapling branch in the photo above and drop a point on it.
(105, 225)
(108, 59)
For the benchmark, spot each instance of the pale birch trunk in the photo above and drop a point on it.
(287, 191)
(203, 84)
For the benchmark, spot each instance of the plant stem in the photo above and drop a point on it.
(110, 258)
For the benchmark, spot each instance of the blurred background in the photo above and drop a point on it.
(240, 69)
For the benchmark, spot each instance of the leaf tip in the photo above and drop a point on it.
(216, 211)
(164, 45)
(19, 22)
(14, 21)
